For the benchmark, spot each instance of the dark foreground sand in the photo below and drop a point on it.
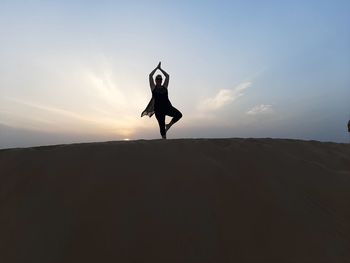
(204, 200)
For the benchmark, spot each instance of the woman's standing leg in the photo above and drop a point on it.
(161, 121)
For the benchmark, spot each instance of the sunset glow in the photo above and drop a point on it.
(78, 71)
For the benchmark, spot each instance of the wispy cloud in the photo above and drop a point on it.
(51, 109)
(223, 97)
(53, 119)
(260, 109)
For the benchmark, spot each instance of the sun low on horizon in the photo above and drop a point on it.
(74, 71)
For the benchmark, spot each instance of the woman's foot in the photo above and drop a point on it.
(164, 137)
(167, 126)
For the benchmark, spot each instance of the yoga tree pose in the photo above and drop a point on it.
(160, 103)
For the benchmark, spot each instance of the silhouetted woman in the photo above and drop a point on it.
(160, 103)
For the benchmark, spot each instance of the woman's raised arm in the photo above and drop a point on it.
(166, 81)
(151, 80)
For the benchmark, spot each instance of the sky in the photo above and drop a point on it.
(77, 71)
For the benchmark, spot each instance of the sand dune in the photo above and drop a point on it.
(186, 200)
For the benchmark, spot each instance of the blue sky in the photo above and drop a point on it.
(74, 71)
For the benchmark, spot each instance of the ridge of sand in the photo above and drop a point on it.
(184, 200)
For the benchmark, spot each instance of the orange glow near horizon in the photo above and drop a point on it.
(100, 106)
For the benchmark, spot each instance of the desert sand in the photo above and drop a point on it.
(183, 200)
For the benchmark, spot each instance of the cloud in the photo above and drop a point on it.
(260, 109)
(223, 97)
(47, 118)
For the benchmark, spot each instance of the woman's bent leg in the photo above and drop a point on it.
(175, 113)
